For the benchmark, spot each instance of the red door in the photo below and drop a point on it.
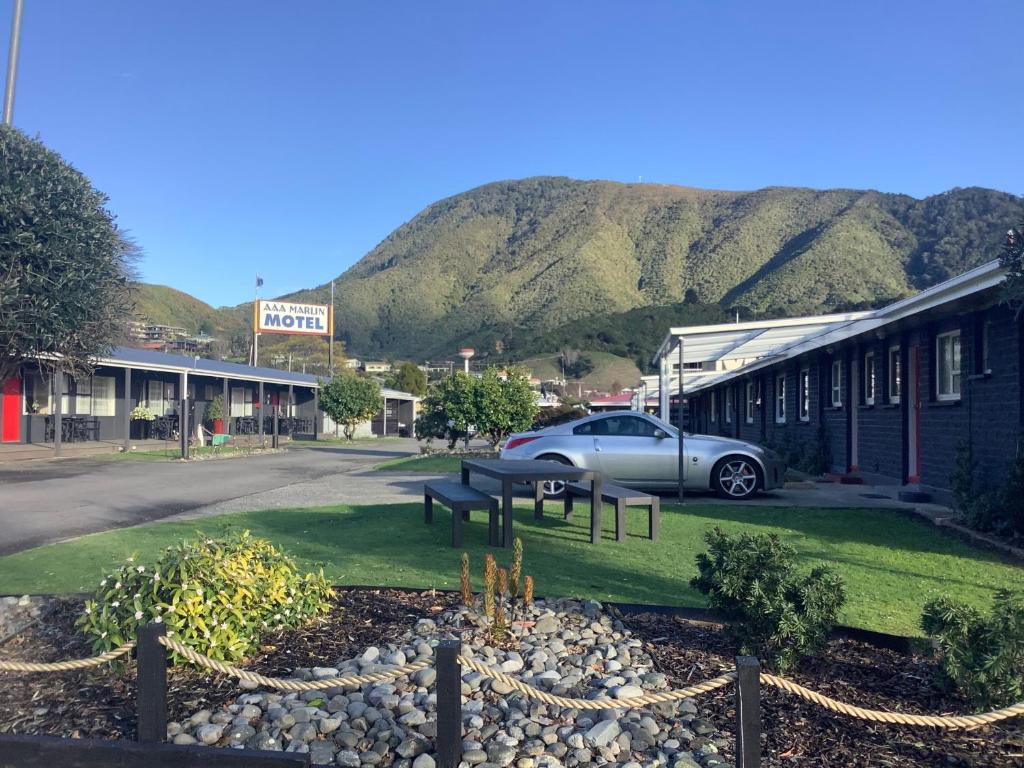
(10, 431)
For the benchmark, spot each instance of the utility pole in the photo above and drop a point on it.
(12, 62)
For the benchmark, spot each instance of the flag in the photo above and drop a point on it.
(259, 281)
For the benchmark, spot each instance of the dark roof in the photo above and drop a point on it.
(142, 358)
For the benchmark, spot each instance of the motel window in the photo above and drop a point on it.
(729, 394)
(241, 401)
(209, 392)
(837, 383)
(780, 398)
(160, 397)
(38, 394)
(104, 396)
(869, 378)
(751, 398)
(981, 359)
(805, 394)
(83, 396)
(895, 375)
(947, 357)
(714, 406)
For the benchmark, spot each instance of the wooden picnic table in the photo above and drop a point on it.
(535, 472)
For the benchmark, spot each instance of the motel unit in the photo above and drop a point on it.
(887, 395)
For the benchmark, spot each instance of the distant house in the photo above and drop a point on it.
(620, 402)
(353, 363)
(372, 366)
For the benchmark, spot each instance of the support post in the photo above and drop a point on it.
(316, 414)
(275, 440)
(449, 704)
(151, 683)
(748, 712)
(127, 406)
(682, 408)
(384, 418)
(261, 416)
(226, 397)
(183, 420)
(664, 379)
(58, 402)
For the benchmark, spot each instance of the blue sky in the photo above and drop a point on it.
(290, 138)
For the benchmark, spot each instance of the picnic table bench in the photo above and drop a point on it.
(461, 499)
(621, 497)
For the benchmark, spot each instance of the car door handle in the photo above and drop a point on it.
(597, 446)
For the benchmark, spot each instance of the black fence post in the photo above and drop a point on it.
(151, 683)
(449, 704)
(748, 712)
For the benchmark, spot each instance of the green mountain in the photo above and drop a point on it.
(164, 305)
(522, 259)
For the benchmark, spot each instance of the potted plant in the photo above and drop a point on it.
(141, 418)
(215, 413)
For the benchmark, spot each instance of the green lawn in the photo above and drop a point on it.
(892, 564)
(174, 453)
(434, 464)
(325, 442)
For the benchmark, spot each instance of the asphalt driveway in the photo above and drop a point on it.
(46, 501)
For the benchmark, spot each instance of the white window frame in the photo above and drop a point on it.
(894, 375)
(46, 382)
(241, 406)
(750, 403)
(804, 394)
(870, 377)
(944, 389)
(780, 398)
(729, 393)
(714, 406)
(836, 384)
(104, 396)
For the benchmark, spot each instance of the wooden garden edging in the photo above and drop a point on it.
(153, 644)
(53, 751)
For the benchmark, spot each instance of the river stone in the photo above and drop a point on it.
(347, 759)
(184, 738)
(501, 754)
(321, 753)
(209, 734)
(603, 733)
(423, 761)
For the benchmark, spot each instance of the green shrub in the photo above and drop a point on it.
(982, 656)
(216, 595)
(772, 611)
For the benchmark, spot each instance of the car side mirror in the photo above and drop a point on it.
(661, 434)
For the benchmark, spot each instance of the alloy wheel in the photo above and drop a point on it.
(737, 478)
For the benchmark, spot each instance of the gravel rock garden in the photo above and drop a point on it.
(573, 648)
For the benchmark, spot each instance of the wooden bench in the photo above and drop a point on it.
(461, 499)
(621, 497)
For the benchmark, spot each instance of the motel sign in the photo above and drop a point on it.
(289, 317)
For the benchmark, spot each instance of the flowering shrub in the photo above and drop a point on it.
(216, 595)
(141, 413)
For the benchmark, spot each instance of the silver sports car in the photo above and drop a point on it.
(638, 450)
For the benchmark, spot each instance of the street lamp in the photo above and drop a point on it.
(12, 62)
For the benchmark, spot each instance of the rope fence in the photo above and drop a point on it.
(68, 666)
(152, 646)
(287, 684)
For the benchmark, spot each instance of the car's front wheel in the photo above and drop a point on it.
(554, 489)
(736, 478)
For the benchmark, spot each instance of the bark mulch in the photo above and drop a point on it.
(798, 733)
(100, 702)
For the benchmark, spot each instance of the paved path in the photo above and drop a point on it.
(47, 501)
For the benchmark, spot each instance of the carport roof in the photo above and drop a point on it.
(129, 357)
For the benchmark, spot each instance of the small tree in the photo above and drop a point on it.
(64, 265)
(1012, 260)
(505, 403)
(409, 378)
(350, 400)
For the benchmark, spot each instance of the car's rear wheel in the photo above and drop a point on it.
(736, 478)
(554, 489)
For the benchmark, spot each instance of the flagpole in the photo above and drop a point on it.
(255, 325)
(330, 337)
